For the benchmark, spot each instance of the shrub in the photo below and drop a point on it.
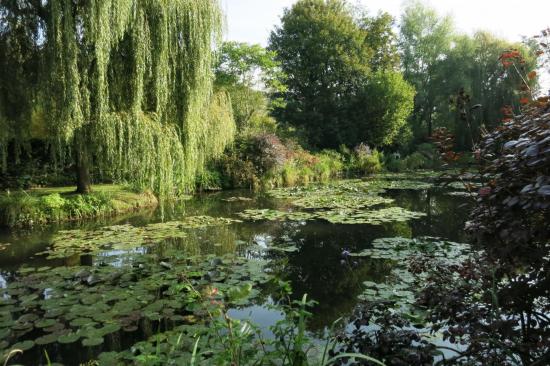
(262, 160)
(22, 208)
(237, 172)
(394, 164)
(265, 151)
(365, 161)
(53, 205)
(416, 161)
(290, 174)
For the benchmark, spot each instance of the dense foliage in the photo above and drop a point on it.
(247, 73)
(329, 55)
(123, 88)
(497, 305)
(441, 63)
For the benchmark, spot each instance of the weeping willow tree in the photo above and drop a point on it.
(125, 85)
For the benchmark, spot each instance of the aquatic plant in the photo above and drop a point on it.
(320, 200)
(371, 217)
(405, 278)
(95, 307)
(336, 216)
(67, 243)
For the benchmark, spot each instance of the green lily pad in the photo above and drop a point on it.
(92, 342)
(46, 339)
(67, 243)
(68, 338)
(79, 322)
(44, 323)
(23, 346)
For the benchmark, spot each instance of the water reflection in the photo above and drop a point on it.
(317, 268)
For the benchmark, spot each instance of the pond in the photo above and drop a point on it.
(327, 240)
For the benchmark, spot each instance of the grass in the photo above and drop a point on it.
(57, 204)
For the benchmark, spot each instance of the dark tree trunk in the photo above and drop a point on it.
(83, 180)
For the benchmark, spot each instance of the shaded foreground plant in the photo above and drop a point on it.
(227, 341)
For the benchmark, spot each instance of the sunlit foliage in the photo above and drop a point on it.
(124, 86)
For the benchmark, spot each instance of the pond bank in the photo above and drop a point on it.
(59, 204)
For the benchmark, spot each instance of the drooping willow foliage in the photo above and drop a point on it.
(128, 83)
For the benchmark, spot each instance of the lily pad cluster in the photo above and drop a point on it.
(276, 215)
(343, 202)
(345, 216)
(339, 188)
(401, 284)
(93, 306)
(371, 217)
(399, 184)
(463, 185)
(67, 243)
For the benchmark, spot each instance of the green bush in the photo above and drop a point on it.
(290, 174)
(237, 172)
(330, 164)
(394, 164)
(363, 160)
(53, 205)
(416, 161)
(16, 208)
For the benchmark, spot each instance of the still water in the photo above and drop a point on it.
(317, 268)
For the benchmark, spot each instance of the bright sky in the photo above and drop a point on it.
(252, 20)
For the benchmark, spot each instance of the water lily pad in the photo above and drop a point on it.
(44, 323)
(275, 215)
(109, 329)
(46, 339)
(5, 333)
(68, 338)
(92, 342)
(373, 217)
(401, 285)
(23, 346)
(79, 322)
(66, 243)
(237, 199)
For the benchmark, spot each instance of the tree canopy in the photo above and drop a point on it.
(122, 87)
(443, 64)
(328, 54)
(248, 73)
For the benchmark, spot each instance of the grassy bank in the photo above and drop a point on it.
(48, 205)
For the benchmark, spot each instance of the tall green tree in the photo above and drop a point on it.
(324, 51)
(460, 81)
(382, 39)
(125, 85)
(473, 66)
(425, 39)
(248, 73)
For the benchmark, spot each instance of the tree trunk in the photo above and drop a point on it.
(83, 180)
